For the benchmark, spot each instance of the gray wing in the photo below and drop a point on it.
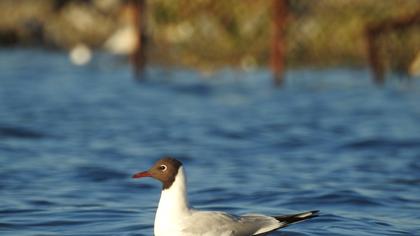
(223, 224)
(283, 220)
(260, 223)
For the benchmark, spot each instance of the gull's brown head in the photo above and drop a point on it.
(164, 170)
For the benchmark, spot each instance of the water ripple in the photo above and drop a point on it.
(19, 133)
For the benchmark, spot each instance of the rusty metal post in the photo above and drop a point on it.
(138, 58)
(280, 12)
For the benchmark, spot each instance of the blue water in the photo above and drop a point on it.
(71, 137)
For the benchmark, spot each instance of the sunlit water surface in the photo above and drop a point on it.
(71, 137)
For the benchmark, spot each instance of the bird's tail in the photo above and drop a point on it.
(286, 220)
(290, 219)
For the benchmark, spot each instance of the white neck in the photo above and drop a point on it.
(173, 203)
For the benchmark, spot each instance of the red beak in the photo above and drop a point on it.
(141, 175)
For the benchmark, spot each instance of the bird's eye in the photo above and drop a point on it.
(163, 168)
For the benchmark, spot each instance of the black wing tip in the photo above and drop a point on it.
(289, 219)
(315, 213)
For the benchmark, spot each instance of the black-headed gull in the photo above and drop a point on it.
(175, 217)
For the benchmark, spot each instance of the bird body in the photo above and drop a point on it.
(175, 217)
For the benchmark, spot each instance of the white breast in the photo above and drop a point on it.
(173, 208)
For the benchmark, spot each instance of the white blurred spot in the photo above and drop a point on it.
(80, 54)
(123, 41)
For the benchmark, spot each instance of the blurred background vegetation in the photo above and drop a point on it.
(210, 34)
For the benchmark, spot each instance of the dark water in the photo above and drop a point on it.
(70, 138)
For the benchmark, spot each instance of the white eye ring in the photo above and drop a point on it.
(163, 168)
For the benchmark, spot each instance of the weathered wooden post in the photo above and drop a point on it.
(374, 31)
(138, 57)
(280, 12)
(373, 50)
